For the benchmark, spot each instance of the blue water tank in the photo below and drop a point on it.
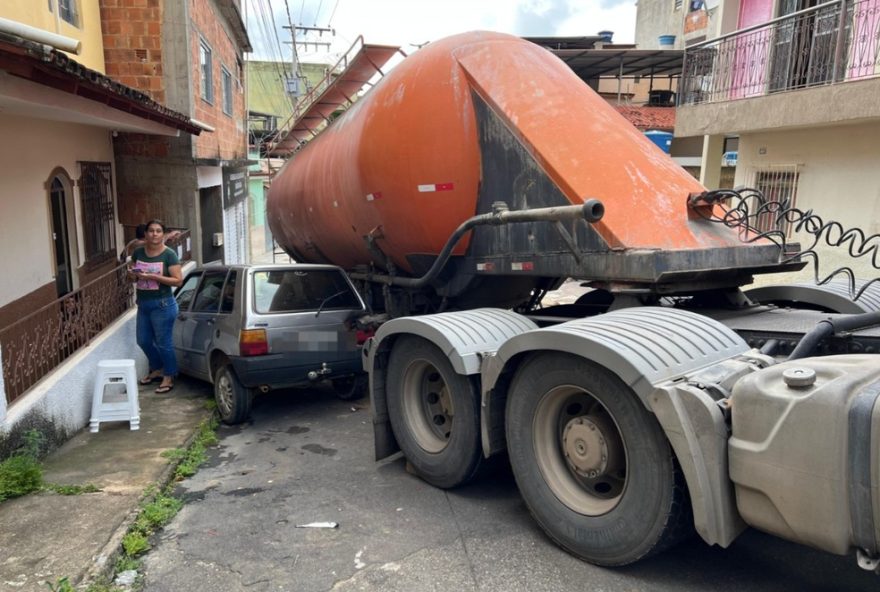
(663, 140)
(666, 41)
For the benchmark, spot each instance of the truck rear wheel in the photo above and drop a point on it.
(592, 463)
(434, 413)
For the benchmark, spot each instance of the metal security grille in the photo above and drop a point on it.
(778, 184)
(36, 344)
(828, 43)
(235, 234)
(97, 206)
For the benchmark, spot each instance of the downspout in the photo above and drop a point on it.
(68, 44)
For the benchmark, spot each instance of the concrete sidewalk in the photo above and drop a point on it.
(47, 536)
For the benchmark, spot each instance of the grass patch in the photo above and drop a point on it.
(71, 489)
(22, 473)
(64, 585)
(159, 512)
(61, 585)
(191, 458)
(153, 515)
(135, 543)
(162, 507)
(174, 453)
(126, 563)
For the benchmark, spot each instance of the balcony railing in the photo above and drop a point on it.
(36, 344)
(830, 43)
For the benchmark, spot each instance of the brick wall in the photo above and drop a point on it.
(228, 142)
(133, 44)
(133, 56)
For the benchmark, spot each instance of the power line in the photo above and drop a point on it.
(318, 12)
(332, 14)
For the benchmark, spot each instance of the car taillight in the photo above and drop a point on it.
(253, 342)
(363, 335)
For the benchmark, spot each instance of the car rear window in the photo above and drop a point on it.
(290, 290)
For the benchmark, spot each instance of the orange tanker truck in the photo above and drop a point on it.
(479, 174)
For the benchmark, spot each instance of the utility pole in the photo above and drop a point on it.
(294, 42)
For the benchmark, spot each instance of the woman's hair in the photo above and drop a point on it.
(157, 222)
(140, 231)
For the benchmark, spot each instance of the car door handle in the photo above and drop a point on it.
(181, 317)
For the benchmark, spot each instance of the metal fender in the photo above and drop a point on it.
(835, 296)
(464, 337)
(654, 351)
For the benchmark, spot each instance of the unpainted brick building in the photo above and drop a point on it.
(187, 55)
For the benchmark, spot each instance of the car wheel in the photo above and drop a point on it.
(351, 388)
(233, 399)
(591, 463)
(434, 413)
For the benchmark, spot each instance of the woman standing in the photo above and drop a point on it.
(156, 269)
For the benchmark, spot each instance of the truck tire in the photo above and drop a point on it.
(434, 413)
(350, 388)
(233, 399)
(591, 463)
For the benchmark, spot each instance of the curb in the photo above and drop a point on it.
(105, 561)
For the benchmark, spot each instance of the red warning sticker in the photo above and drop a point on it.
(431, 187)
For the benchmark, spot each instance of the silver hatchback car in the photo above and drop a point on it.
(254, 328)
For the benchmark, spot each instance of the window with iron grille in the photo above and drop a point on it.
(227, 90)
(96, 192)
(779, 185)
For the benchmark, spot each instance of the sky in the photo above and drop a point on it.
(409, 23)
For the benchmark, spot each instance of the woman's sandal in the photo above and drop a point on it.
(165, 389)
(150, 379)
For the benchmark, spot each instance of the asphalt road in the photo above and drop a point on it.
(307, 457)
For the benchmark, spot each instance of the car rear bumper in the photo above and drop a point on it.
(286, 370)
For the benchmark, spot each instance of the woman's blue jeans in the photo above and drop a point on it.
(155, 323)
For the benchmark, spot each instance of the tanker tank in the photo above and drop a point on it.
(480, 118)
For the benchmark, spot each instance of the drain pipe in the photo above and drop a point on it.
(68, 44)
(828, 327)
(592, 211)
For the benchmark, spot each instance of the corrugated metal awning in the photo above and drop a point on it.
(627, 63)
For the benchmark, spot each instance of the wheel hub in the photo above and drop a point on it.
(585, 447)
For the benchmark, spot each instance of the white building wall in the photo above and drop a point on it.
(31, 149)
(63, 398)
(659, 17)
(839, 180)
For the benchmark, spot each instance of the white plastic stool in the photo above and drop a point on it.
(116, 372)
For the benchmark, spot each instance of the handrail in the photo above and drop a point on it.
(311, 97)
(832, 43)
(751, 28)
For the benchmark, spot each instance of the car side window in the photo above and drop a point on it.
(210, 292)
(187, 290)
(227, 303)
